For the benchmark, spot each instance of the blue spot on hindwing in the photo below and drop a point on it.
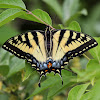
(54, 64)
(65, 59)
(45, 65)
(58, 65)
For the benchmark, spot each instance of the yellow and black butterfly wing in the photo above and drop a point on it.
(28, 46)
(70, 44)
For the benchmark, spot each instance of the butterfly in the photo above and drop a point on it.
(50, 50)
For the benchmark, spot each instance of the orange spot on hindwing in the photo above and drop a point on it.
(53, 69)
(49, 64)
(46, 70)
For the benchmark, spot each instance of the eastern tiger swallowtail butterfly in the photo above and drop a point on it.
(49, 50)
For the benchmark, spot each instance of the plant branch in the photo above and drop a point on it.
(86, 56)
(29, 12)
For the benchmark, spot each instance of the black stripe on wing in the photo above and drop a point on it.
(35, 37)
(70, 38)
(27, 40)
(61, 36)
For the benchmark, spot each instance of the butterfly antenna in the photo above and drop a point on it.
(69, 70)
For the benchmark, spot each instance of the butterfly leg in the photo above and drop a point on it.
(70, 71)
(61, 77)
(39, 84)
(59, 72)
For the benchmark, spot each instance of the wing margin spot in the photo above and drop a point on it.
(7, 46)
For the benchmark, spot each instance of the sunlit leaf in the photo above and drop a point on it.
(77, 92)
(94, 93)
(95, 52)
(74, 26)
(9, 14)
(12, 4)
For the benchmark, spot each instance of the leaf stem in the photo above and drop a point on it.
(86, 56)
(29, 12)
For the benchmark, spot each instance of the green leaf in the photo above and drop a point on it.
(46, 84)
(58, 87)
(93, 65)
(15, 78)
(70, 7)
(54, 83)
(77, 92)
(4, 69)
(4, 57)
(28, 71)
(86, 96)
(93, 68)
(16, 65)
(61, 26)
(12, 4)
(9, 14)
(4, 62)
(95, 52)
(94, 93)
(39, 14)
(74, 26)
(92, 71)
(6, 32)
(55, 6)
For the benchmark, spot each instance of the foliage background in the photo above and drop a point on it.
(18, 81)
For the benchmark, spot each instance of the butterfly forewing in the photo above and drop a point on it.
(70, 44)
(27, 46)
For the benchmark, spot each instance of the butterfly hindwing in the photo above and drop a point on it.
(27, 46)
(70, 44)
